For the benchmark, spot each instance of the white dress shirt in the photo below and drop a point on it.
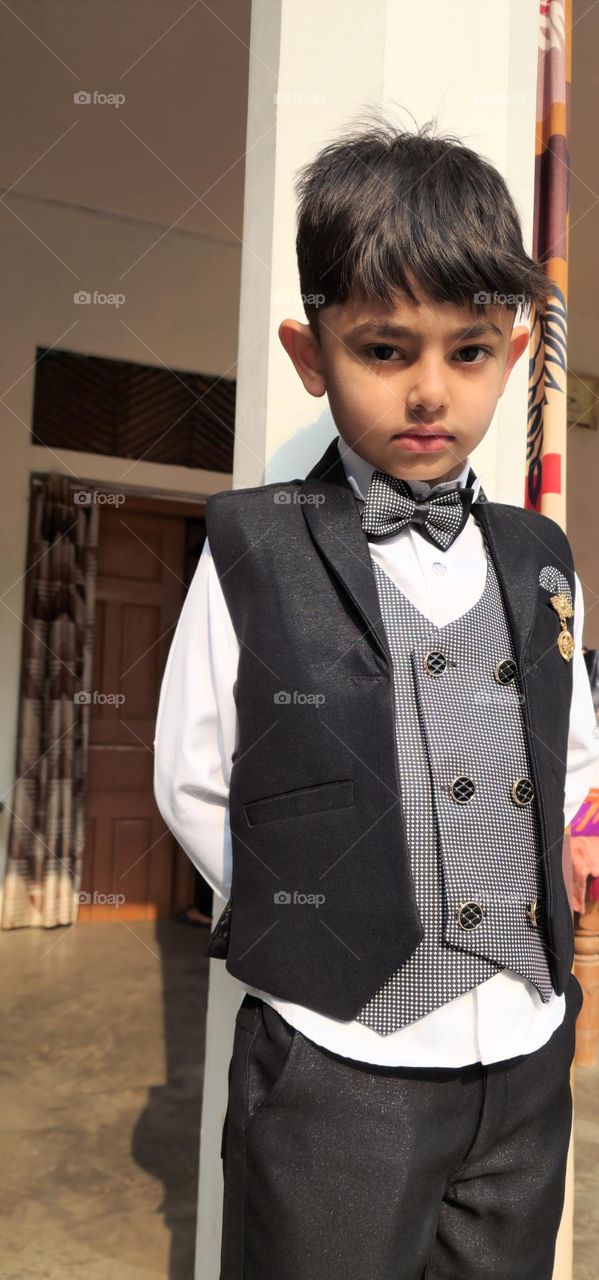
(196, 734)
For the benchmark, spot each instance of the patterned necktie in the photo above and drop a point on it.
(390, 505)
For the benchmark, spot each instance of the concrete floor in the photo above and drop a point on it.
(586, 1173)
(101, 1073)
(102, 1067)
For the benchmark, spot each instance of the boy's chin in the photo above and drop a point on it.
(439, 466)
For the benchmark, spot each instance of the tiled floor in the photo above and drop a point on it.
(101, 1075)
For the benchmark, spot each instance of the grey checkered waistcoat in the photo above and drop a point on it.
(458, 716)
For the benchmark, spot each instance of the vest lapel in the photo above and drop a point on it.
(331, 512)
(509, 541)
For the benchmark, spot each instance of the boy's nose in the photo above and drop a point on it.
(428, 393)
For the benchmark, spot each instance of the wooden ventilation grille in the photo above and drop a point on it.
(133, 411)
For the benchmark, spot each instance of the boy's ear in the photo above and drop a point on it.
(304, 352)
(518, 343)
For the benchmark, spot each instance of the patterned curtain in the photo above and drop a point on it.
(46, 834)
(545, 489)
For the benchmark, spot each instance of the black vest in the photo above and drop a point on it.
(323, 907)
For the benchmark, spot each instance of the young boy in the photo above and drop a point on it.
(374, 723)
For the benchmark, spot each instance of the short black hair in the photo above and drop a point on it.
(380, 205)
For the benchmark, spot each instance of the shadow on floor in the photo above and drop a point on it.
(102, 1088)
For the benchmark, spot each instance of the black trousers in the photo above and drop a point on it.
(340, 1170)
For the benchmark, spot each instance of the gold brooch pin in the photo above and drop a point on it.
(565, 640)
(532, 912)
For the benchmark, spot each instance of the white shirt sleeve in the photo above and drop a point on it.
(196, 728)
(583, 740)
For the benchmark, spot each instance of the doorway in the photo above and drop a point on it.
(148, 549)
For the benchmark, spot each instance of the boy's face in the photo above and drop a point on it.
(407, 392)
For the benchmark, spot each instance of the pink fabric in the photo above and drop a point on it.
(584, 853)
(584, 861)
(586, 819)
(593, 890)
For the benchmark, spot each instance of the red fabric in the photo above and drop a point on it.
(552, 473)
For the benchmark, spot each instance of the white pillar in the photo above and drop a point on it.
(315, 67)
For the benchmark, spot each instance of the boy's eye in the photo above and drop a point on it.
(381, 347)
(484, 350)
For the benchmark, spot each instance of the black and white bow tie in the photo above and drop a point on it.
(390, 505)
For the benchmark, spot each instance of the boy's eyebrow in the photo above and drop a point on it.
(388, 329)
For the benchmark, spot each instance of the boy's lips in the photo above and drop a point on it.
(421, 430)
(423, 439)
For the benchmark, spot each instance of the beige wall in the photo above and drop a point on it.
(94, 207)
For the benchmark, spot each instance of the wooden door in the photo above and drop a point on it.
(133, 868)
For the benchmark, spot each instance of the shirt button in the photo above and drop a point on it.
(438, 567)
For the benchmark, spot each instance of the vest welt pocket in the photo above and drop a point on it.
(301, 802)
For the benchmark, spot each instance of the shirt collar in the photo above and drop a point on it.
(359, 472)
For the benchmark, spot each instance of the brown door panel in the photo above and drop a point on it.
(133, 867)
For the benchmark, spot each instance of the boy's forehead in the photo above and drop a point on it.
(357, 318)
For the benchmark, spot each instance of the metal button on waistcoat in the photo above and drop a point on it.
(505, 671)
(469, 914)
(532, 912)
(522, 791)
(462, 788)
(435, 662)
